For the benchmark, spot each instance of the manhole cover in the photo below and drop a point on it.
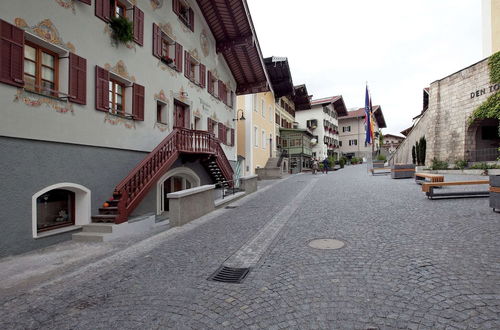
(326, 244)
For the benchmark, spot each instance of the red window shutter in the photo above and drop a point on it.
(101, 89)
(222, 92)
(138, 26)
(77, 79)
(176, 6)
(221, 125)
(156, 41)
(232, 136)
(88, 2)
(187, 64)
(178, 57)
(102, 9)
(11, 54)
(203, 76)
(210, 84)
(191, 19)
(138, 102)
(219, 92)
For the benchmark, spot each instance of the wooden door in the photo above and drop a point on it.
(181, 115)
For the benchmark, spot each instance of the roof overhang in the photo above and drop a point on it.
(301, 99)
(236, 39)
(379, 116)
(336, 101)
(279, 75)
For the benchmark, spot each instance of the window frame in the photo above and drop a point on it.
(112, 106)
(117, 4)
(38, 69)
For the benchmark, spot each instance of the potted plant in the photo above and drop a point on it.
(167, 60)
(122, 29)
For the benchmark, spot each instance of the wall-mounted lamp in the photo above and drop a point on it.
(242, 116)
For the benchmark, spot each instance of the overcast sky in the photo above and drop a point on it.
(398, 46)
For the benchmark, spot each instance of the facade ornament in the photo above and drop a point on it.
(47, 31)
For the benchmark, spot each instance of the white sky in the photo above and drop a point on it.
(398, 46)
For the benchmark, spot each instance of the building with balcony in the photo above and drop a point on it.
(322, 120)
(353, 132)
(95, 129)
(390, 143)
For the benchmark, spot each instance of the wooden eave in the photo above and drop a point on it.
(231, 25)
(280, 76)
(301, 99)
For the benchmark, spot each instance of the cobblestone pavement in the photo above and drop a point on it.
(408, 262)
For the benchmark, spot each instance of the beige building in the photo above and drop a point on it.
(491, 26)
(444, 122)
(256, 134)
(390, 143)
(352, 133)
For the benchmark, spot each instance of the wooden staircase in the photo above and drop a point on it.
(131, 190)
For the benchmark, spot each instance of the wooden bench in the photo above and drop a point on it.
(420, 177)
(383, 170)
(428, 188)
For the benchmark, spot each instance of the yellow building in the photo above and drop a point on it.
(491, 26)
(256, 134)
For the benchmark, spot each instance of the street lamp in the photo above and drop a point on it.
(242, 116)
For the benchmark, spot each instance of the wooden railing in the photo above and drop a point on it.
(135, 186)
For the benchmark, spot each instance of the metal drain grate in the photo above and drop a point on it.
(229, 274)
(231, 207)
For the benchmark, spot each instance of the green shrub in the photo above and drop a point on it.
(461, 164)
(122, 29)
(484, 166)
(381, 157)
(342, 161)
(439, 165)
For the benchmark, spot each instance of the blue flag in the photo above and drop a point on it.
(367, 118)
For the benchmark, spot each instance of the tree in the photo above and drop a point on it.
(417, 152)
(413, 154)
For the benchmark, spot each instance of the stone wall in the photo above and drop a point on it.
(444, 125)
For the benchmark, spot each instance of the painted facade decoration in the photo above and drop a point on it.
(47, 31)
(34, 100)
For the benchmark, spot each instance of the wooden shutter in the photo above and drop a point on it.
(203, 76)
(138, 26)
(101, 89)
(219, 134)
(210, 84)
(77, 79)
(232, 136)
(138, 102)
(88, 2)
(176, 7)
(191, 19)
(11, 54)
(156, 41)
(102, 9)
(178, 57)
(187, 64)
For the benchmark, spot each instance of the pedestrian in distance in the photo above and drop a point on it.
(315, 166)
(325, 166)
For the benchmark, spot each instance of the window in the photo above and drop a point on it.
(353, 142)
(184, 12)
(211, 125)
(55, 208)
(270, 114)
(161, 112)
(166, 49)
(197, 123)
(346, 128)
(106, 9)
(116, 97)
(255, 136)
(263, 138)
(262, 108)
(111, 95)
(340, 143)
(254, 102)
(213, 85)
(40, 70)
(118, 9)
(277, 118)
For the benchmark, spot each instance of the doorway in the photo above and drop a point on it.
(181, 115)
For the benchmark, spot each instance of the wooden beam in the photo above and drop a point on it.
(252, 88)
(228, 44)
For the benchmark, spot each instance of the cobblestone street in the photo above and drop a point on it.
(407, 262)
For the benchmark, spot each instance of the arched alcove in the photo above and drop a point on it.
(179, 178)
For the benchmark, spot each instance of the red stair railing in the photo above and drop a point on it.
(135, 186)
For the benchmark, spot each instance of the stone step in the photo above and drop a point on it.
(89, 237)
(108, 210)
(98, 228)
(108, 218)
